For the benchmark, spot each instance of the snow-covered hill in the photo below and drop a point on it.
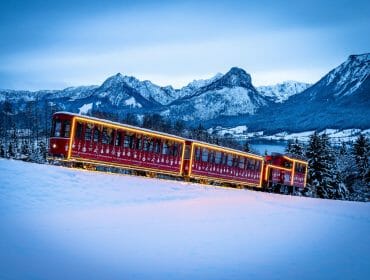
(58, 223)
(282, 91)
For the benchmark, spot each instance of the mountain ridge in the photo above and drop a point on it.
(228, 98)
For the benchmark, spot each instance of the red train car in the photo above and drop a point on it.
(285, 172)
(215, 163)
(90, 141)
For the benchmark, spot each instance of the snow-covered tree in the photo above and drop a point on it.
(2, 150)
(25, 150)
(295, 148)
(361, 150)
(246, 147)
(40, 153)
(323, 180)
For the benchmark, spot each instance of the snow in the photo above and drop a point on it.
(282, 91)
(224, 102)
(196, 84)
(350, 75)
(335, 135)
(268, 148)
(58, 223)
(241, 129)
(132, 102)
(85, 108)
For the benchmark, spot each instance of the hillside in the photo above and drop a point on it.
(58, 223)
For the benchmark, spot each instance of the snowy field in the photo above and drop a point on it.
(58, 223)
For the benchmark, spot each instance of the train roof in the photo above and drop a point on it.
(121, 124)
(291, 157)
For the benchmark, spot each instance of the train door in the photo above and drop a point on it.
(186, 159)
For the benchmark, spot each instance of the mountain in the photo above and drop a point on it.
(282, 91)
(228, 95)
(341, 99)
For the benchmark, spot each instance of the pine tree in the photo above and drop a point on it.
(2, 151)
(25, 150)
(360, 183)
(323, 180)
(246, 147)
(295, 148)
(131, 119)
(179, 127)
(361, 150)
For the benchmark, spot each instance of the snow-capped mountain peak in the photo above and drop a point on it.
(236, 77)
(196, 84)
(349, 76)
(282, 91)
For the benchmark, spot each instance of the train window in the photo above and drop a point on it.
(165, 148)
(112, 133)
(148, 144)
(218, 157)
(96, 134)
(241, 162)
(180, 146)
(57, 128)
(117, 141)
(253, 164)
(250, 164)
(224, 158)
(299, 168)
(258, 165)
(211, 157)
(88, 130)
(128, 141)
(197, 154)
(79, 130)
(139, 142)
(204, 154)
(175, 149)
(105, 137)
(157, 146)
(187, 152)
(66, 128)
(230, 160)
(171, 148)
(287, 164)
(236, 161)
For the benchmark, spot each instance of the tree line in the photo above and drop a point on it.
(335, 172)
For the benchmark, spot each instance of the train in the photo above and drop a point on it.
(88, 142)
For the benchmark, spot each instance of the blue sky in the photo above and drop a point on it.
(56, 44)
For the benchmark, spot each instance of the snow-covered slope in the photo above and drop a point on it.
(349, 76)
(282, 91)
(58, 223)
